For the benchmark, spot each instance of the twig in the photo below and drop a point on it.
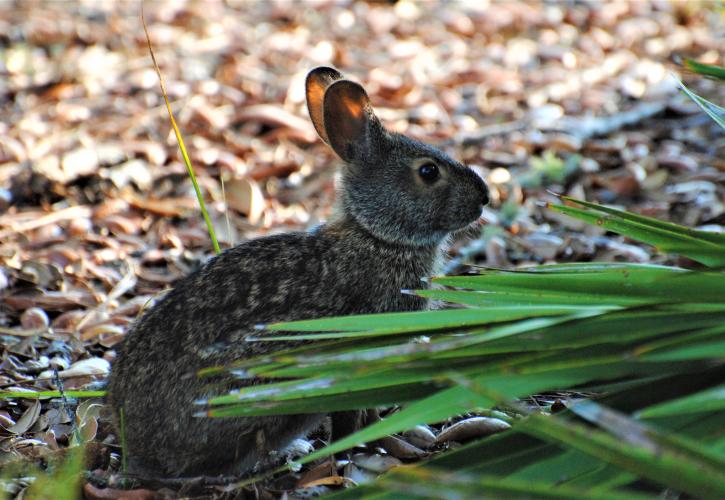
(483, 133)
(75, 212)
(66, 407)
(587, 127)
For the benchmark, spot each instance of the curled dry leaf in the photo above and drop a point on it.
(104, 329)
(420, 436)
(52, 301)
(279, 117)
(28, 419)
(43, 274)
(400, 448)
(470, 428)
(166, 208)
(245, 196)
(126, 283)
(358, 475)
(85, 367)
(375, 462)
(327, 481)
(326, 469)
(87, 419)
(6, 420)
(59, 363)
(34, 318)
(69, 320)
(36, 365)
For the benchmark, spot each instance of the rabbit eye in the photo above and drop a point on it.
(428, 172)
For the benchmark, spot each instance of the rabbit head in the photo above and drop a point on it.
(398, 189)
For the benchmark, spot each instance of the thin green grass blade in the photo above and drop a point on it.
(559, 468)
(50, 394)
(706, 69)
(701, 350)
(701, 250)
(677, 229)
(501, 454)
(419, 321)
(603, 479)
(623, 286)
(528, 299)
(182, 147)
(668, 344)
(712, 399)
(713, 110)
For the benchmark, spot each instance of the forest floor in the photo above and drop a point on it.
(97, 212)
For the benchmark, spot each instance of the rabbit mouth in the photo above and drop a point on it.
(474, 225)
(471, 231)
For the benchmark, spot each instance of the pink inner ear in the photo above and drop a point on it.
(354, 108)
(315, 97)
(347, 115)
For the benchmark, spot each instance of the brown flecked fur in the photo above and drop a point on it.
(387, 234)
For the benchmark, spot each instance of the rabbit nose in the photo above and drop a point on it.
(485, 198)
(483, 189)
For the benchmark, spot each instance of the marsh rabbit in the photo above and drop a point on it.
(398, 201)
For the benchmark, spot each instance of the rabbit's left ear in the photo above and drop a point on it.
(317, 82)
(349, 120)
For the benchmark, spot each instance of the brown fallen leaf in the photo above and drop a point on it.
(400, 448)
(327, 481)
(325, 469)
(105, 330)
(69, 320)
(274, 115)
(623, 185)
(245, 196)
(38, 220)
(82, 368)
(51, 301)
(27, 420)
(164, 278)
(472, 428)
(166, 208)
(375, 462)
(420, 436)
(34, 318)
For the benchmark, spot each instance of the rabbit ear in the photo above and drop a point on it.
(348, 117)
(315, 85)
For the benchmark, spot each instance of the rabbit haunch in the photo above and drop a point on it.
(398, 200)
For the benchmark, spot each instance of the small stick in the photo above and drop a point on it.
(66, 407)
(75, 212)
